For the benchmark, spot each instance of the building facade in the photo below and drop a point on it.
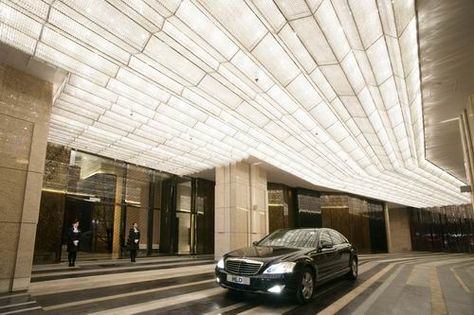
(176, 214)
(108, 196)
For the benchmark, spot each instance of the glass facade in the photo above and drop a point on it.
(280, 207)
(108, 196)
(361, 221)
(308, 205)
(449, 229)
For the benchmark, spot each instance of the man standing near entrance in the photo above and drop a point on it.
(133, 241)
(73, 239)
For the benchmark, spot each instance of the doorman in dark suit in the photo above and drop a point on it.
(73, 238)
(133, 241)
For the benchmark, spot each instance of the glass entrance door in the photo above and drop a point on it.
(184, 218)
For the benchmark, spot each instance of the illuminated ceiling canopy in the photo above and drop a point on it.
(326, 90)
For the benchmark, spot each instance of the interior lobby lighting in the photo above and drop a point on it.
(329, 93)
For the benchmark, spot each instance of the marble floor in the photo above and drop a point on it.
(412, 283)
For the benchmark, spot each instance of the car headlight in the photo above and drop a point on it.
(220, 263)
(283, 267)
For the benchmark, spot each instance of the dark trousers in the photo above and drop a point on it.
(71, 256)
(133, 254)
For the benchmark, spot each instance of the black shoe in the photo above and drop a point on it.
(133, 260)
(70, 265)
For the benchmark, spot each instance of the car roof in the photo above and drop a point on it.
(307, 229)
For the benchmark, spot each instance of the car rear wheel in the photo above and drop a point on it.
(305, 290)
(354, 272)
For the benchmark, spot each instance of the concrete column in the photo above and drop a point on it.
(241, 206)
(25, 107)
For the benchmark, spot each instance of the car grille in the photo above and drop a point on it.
(242, 267)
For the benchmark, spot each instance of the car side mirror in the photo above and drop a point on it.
(255, 243)
(325, 244)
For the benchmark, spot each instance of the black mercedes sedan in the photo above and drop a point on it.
(289, 261)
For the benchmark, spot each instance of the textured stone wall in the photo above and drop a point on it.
(25, 106)
(400, 240)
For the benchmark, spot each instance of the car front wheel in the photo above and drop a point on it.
(305, 289)
(354, 272)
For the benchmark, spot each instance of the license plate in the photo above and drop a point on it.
(238, 279)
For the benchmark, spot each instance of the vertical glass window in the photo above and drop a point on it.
(183, 217)
(204, 212)
(309, 210)
(174, 214)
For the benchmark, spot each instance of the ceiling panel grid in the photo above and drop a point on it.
(326, 90)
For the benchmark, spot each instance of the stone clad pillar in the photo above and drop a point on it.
(397, 222)
(241, 206)
(466, 129)
(25, 107)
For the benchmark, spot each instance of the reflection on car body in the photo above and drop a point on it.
(289, 261)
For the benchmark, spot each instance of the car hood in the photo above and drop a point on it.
(267, 253)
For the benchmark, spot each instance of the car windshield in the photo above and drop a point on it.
(291, 238)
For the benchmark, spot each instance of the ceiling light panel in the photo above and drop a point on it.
(88, 35)
(366, 17)
(55, 57)
(253, 71)
(17, 39)
(246, 88)
(143, 13)
(171, 59)
(337, 79)
(19, 21)
(313, 39)
(219, 91)
(73, 21)
(195, 56)
(38, 8)
(88, 97)
(292, 41)
(81, 83)
(152, 72)
(78, 52)
(379, 60)
(139, 84)
(239, 20)
(329, 23)
(326, 90)
(196, 20)
(303, 91)
(187, 31)
(272, 13)
(275, 59)
(201, 55)
(113, 20)
(293, 9)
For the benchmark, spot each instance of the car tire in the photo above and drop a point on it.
(305, 288)
(354, 269)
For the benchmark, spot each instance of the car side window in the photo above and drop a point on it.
(325, 239)
(343, 238)
(336, 237)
